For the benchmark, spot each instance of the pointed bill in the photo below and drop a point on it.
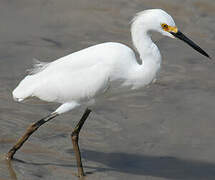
(182, 37)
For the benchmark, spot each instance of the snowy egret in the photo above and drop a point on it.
(82, 77)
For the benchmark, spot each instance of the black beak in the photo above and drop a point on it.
(181, 36)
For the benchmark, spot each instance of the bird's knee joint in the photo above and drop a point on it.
(33, 126)
(74, 135)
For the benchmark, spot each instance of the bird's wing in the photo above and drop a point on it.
(81, 75)
(69, 83)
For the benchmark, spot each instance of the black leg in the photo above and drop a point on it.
(30, 130)
(75, 137)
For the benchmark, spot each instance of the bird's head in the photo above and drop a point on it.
(160, 21)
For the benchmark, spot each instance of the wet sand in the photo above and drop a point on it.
(164, 132)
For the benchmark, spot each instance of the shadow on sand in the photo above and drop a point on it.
(165, 167)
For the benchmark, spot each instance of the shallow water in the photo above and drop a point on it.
(165, 132)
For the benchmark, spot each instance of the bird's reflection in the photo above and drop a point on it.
(8, 167)
(11, 170)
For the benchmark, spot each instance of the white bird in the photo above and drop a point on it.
(82, 77)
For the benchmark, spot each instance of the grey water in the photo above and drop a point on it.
(164, 132)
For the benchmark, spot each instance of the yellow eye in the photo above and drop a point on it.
(164, 26)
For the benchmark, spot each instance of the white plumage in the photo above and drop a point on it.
(83, 76)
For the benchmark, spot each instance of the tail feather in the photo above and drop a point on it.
(27, 85)
(38, 66)
(24, 89)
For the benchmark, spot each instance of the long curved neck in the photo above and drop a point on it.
(149, 54)
(142, 41)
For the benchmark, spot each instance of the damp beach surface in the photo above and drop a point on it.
(165, 131)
